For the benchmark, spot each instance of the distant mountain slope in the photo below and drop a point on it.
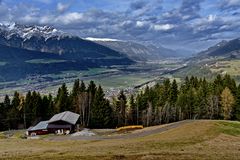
(135, 50)
(224, 48)
(15, 66)
(48, 39)
(17, 63)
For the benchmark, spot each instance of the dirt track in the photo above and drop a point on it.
(136, 134)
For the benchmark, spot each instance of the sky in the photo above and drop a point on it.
(177, 24)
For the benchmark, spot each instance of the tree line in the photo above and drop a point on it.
(195, 98)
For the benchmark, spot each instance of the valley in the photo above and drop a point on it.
(112, 78)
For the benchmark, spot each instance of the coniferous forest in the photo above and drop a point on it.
(194, 98)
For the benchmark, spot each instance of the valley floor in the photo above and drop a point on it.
(186, 140)
(113, 79)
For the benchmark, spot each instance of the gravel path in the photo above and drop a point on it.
(139, 133)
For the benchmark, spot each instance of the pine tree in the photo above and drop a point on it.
(133, 111)
(82, 87)
(45, 110)
(28, 109)
(13, 116)
(37, 106)
(50, 112)
(122, 104)
(76, 88)
(62, 99)
(236, 111)
(201, 110)
(173, 93)
(4, 109)
(91, 90)
(101, 113)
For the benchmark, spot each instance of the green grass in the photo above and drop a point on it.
(122, 81)
(2, 136)
(230, 128)
(194, 71)
(45, 61)
(231, 67)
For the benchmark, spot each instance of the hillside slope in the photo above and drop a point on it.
(17, 63)
(201, 139)
(136, 51)
(223, 48)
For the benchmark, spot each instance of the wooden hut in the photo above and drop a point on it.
(62, 123)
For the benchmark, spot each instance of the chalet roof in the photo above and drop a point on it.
(40, 126)
(66, 116)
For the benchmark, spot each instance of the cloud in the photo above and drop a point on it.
(230, 4)
(162, 27)
(70, 18)
(62, 7)
(155, 21)
(141, 24)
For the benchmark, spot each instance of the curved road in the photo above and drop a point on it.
(139, 133)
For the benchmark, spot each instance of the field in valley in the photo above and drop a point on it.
(112, 78)
(195, 140)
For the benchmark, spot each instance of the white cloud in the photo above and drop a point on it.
(162, 27)
(62, 7)
(69, 18)
(233, 2)
(141, 24)
(230, 4)
(211, 18)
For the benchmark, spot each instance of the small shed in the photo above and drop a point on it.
(39, 129)
(64, 122)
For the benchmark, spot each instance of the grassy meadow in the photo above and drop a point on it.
(196, 140)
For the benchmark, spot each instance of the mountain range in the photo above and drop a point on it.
(32, 49)
(20, 45)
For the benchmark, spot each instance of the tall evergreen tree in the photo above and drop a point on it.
(133, 111)
(13, 116)
(173, 93)
(82, 87)
(91, 90)
(62, 99)
(122, 105)
(236, 109)
(101, 113)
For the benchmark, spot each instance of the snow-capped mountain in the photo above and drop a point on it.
(27, 31)
(22, 44)
(51, 40)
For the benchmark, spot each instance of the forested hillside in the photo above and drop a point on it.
(164, 103)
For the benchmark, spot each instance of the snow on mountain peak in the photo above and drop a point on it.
(102, 39)
(27, 31)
